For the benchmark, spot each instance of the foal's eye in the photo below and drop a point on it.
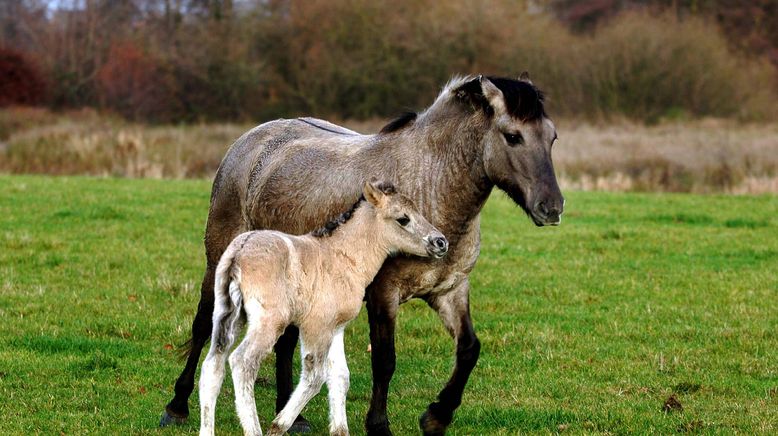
(403, 220)
(514, 139)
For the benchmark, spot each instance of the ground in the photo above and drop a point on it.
(642, 313)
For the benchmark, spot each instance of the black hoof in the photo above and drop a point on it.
(301, 425)
(168, 419)
(378, 429)
(430, 425)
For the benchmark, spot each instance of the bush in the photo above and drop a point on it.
(135, 85)
(21, 83)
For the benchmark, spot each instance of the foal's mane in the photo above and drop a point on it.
(329, 228)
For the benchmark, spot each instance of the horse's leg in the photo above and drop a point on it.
(223, 225)
(177, 410)
(382, 315)
(312, 377)
(284, 356)
(244, 363)
(454, 310)
(337, 385)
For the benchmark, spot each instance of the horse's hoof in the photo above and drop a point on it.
(301, 425)
(168, 419)
(430, 425)
(379, 429)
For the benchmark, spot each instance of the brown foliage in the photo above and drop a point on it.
(133, 84)
(21, 83)
(192, 61)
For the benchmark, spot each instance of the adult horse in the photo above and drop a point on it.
(294, 175)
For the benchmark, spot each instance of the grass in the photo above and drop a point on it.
(586, 328)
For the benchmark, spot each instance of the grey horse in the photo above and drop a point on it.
(293, 175)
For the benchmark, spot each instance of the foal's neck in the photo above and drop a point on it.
(359, 245)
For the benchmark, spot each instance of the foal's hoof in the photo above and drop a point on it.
(430, 425)
(168, 419)
(301, 425)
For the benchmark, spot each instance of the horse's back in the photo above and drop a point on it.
(272, 177)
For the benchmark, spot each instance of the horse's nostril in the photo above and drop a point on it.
(542, 208)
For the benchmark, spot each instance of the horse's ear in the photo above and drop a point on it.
(524, 77)
(374, 192)
(481, 93)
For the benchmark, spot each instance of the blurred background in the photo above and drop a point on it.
(647, 95)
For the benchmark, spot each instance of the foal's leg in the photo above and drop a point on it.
(382, 313)
(284, 356)
(212, 373)
(312, 377)
(337, 385)
(454, 310)
(244, 362)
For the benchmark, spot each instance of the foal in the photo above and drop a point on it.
(316, 282)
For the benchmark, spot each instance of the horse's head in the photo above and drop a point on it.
(517, 143)
(404, 227)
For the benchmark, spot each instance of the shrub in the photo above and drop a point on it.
(21, 83)
(134, 84)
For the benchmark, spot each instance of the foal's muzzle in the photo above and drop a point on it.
(437, 245)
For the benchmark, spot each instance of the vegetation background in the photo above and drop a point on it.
(587, 328)
(648, 95)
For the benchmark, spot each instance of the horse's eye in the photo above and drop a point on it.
(403, 220)
(514, 139)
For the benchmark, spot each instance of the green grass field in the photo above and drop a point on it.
(586, 328)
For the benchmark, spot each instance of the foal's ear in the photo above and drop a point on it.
(481, 93)
(374, 192)
(524, 77)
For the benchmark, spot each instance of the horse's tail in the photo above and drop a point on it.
(228, 300)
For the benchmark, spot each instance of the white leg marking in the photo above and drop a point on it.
(211, 378)
(312, 377)
(338, 384)
(245, 361)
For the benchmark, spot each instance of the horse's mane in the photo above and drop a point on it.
(399, 122)
(523, 100)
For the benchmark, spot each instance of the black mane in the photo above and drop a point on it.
(523, 100)
(331, 226)
(399, 122)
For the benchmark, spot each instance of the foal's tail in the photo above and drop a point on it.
(228, 300)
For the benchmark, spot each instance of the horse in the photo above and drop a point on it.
(317, 282)
(292, 175)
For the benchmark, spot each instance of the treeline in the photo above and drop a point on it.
(192, 60)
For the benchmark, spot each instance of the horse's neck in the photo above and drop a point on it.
(440, 165)
(359, 245)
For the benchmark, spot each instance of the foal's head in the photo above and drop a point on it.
(517, 142)
(401, 224)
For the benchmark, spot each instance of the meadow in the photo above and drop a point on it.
(586, 328)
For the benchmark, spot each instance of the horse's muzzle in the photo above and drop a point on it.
(547, 213)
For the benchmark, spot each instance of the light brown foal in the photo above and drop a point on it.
(316, 282)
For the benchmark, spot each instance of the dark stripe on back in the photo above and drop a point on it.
(325, 128)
